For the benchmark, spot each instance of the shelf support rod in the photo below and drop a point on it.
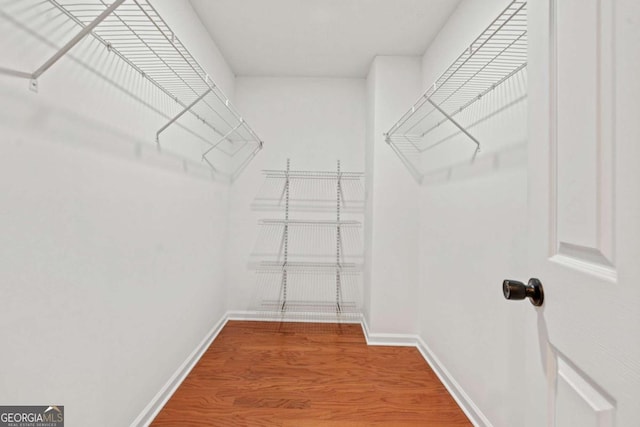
(286, 239)
(15, 73)
(225, 136)
(74, 41)
(180, 114)
(458, 125)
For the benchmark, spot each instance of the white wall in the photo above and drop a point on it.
(111, 260)
(312, 121)
(116, 259)
(186, 23)
(391, 241)
(472, 236)
(368, 214)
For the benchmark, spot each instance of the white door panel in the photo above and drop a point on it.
(584, 182)
(581, 65)
(578, 402)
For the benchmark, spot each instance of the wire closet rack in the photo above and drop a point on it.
(135, 32)
(313, 260)
(310, 190)
(492, 58)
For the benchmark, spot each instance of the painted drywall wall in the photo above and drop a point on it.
(312, 121)
(111, 259)
(472, 236)
(186, 23)
(368, 213)
(391, 241)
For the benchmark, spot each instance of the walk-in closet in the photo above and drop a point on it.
(319, 213)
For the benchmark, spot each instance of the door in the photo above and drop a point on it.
(584, 203)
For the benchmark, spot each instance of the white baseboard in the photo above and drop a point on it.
(264, 316)
(463, 400)
(162, 397)
(400, 340)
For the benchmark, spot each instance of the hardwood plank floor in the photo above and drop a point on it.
(308, 374)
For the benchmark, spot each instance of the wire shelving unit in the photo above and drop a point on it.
(135, 32)
(492, 58)
(326, 251)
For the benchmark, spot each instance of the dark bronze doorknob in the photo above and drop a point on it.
(512, 289)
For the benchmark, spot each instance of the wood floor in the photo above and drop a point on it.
(308, 374)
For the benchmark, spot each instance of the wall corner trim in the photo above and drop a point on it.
(154, 407)
(401, 340)
(463, 400)
(458, 394)
(456, 391)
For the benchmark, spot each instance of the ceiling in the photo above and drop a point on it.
(310, 38)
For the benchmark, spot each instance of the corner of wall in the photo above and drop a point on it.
(369, 163)
(392, 270)
(153, 408)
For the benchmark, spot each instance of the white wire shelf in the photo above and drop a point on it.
(304, 307)
(311, 190)
(496, 55)
(311, 223)
(306, 243)
(136, 33)
(307, 266)
(270, 173)
(308, 291)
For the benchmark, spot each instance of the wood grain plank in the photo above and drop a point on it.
(302, 374)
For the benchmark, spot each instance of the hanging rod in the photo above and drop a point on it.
(492, 58)
(64, 49)
(135, 32)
